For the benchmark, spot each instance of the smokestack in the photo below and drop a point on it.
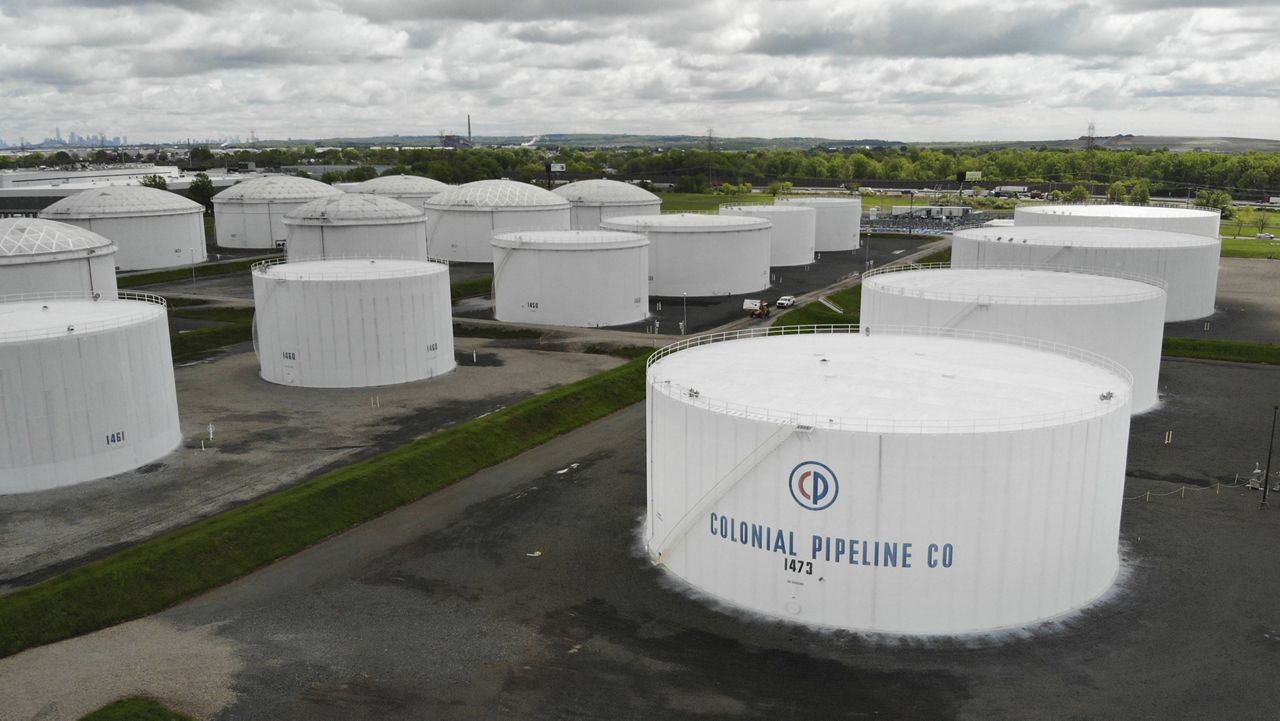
(468, 126)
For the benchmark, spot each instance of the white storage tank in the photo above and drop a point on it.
(352, 323)
(463, 219)
(583, 278)
(999, 223)
(702, 255)
(1144, 217)
(792, 240)
(934, 482)
(412, 190)
(1116, 317)
(355, 225)
(88, 389)
(251, 214)
(43, 256)
(839, 222)
(1188, 264)
(597, 200)
(152, 228)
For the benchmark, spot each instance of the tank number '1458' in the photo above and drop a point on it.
(115, 439)
(791, 564)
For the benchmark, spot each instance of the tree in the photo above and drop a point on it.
(1116, 192)
(155, 181)
(1216, 199)
(201, 190)
(331, 177)
(779, 187)
(300, 173)
(62, 157)
(360, 174)
(1078, 194)
(201, 156)
(1260, 220)
(1141, 192)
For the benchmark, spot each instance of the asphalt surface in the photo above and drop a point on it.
(520, 593)
(1247, 305)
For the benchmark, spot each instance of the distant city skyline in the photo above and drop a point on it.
(157, 71)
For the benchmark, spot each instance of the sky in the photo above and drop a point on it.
(903, 70)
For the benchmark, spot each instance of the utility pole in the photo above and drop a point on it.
(1271, 445)
(710, 136)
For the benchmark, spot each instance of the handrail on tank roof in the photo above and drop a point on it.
(1078, 269)
(82, 295)
(262, 265)
(80, 328)
(1151, 204)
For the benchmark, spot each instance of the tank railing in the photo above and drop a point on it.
(854, 197)
(752, 204)
(78, 327)
(1159, 285)
(262, 266)
(82, 295)
(518, 234)
(1152, 204)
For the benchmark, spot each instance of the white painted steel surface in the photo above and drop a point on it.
(412, 190)
(352, 323)
(1118, 318)
(1143, 217)
(45, 256)
(599, 199)
(152, 228)
(793, 238)
(356, 225)
(251, 214)
(1188, 264)
(991, 472)
(87, 389)
(583, 278)
(462, 221)
(702, 255)
(839, 221)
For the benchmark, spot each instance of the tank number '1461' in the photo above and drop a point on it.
(115, 439)
(791, 564)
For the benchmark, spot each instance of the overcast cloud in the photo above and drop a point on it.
(904, 70)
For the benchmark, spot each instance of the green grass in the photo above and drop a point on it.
(202, 342)
(168, 569)
(941, 256)
(224, 314)
(815, 313)
(1251, 247)
(135, 708)
(1223, 350)
(207, 270)
(464, 330)
(470, 288)
(702, 202)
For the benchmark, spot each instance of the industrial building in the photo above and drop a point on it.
(583, 278)
(596, 200)
(463, 219)
(1188, 264)
(907, 482)
(412, 190)
(356, 225)
(352, 323)
(1115, 317)
(88, 389)
(792, 240)
(702, 255)
(251, 214)
(45, 256)
(152, 228)
(931, 211)
(839, 222)
(1143, 217)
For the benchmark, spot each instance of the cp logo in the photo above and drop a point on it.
(813, 486)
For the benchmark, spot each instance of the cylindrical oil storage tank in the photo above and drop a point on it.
(792, 240)
(251, 214)
(350, 323)
(355, 225)
(839, 221)
(88, 389)
(702, 255)
(584, 278)
(412, 190)
(1143, 217)
(463, 219)
(599, 199)
(45, 256)
(999, 223)
(1188, 264)
(152, 228)
(1116, 317)
(924, 483)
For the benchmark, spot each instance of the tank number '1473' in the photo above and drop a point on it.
(791, 564)
(115, 439)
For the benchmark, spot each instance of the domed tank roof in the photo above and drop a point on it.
(492, 194)
(121, 201)
(353, 209)
(275, 188)
(21, 237)
(401, 185)
(606, 192)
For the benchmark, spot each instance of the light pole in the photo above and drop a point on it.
(1271, 444)
(684, 307)
(911, 212)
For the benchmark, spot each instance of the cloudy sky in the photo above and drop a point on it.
(904, 70)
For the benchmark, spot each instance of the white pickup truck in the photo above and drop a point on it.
(785, 301)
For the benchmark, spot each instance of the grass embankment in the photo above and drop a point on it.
(135, 708)
(200, 343)
(176, 566)
(206, 270)
(704, 202)
(470, 288)
(1238, 351)
(1250, 248)
(815, 313)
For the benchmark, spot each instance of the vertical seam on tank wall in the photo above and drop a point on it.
(875, 576)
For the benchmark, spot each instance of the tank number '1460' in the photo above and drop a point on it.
(791, 564)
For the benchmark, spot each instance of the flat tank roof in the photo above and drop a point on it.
(570, 240)
(43, 319)
(354, 209)
(606, 192)
(496, 195)
(937, 382)
(688, 222)
(821, 200)
(348, 269)
(1086, 236)
(33, 237)
(401, 185)
(275, 188)
(1119, 211)
(121, 201)
(766, 209)
(1010, 285)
